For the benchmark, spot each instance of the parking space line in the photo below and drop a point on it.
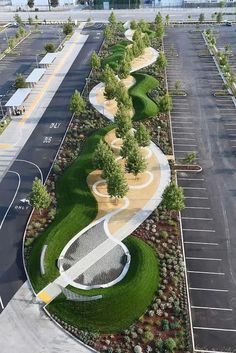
(198, 207)
(214, 329)
(196, 197)
(210, 289)
(192, 188)
(187, 151)
(184, 133)
(200, 243)
(183, 128)
(194, 179)
(203, 258)
(183, 138)
(198, 218)
(181, 144)
(199, 230)
(207, 273)
(210, 308)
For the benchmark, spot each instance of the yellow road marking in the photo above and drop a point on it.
(45, 297)
(45, 87)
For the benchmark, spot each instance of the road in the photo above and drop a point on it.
(176, 14)
(206, 125)
(17, 183)
(23, 60)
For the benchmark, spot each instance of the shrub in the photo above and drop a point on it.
(164, 234)
(138, 349)
(165, 325)
(49, 47)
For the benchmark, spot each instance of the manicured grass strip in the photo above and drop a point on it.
(143, 105)
(123, 303)
(77, 208)
(116, 55)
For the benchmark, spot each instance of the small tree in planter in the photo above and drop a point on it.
(190, 158)
(161, 62)
(170, 344)
(142, 136)
(135, 162)
(123, 122)
(124, 68)
(109, 165)
(77, 104)
(201, 18)
(129, 144)
(137, 34)
(117, 185)
(108, 74)
(110, 89)
(133, 25)
(173, 198)
(39, 197)
(112, 19)
(108, 33)
(101, 154)
(122, 96)
(146, 40)
(20, 81)
(95, 61)
(49, 47)
(165, 104)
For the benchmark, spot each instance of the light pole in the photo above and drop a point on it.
(158, 134)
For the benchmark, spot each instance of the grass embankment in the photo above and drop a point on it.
(122, 303)
(76, 209)
(144, 106)
(117, 52)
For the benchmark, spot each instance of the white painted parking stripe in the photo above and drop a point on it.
(192, 188)
(186, 151)
(183, 128)
(203, 258)
(200, 243)
(214, 329)
(196, 197)
(1, 303)
(181, 144)
(195, 179)
(184, 133)
(210, 308)
(210, 289)
(207, 273)
(198, 218)
(198, 208)
(183, 138)
(180, 122)
(199, 230)
(205, 351)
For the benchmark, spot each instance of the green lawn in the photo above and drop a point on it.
(77, 207)
(122, 303)
(116, 55)
(143, 105)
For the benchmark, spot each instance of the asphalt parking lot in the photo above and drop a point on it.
(206, 125)
(23, 60)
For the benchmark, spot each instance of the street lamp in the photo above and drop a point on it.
(158, 134)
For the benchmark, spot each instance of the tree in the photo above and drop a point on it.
(108, 74)
(144, 25)
(124, 68)
(135, 163)
(49, 47)
(170, 344)
(129, 144)
(109, 166)
(77, 103)
(117, 185)
(11, 43)
(142, 136)
(95, 61)
(21, 32)
(133, 25)
(122, 96)
(201, 18)
(158, 19)
(222, 4)
(165, 104)
(18, 19)
(101, 155)
(135, 50)
(219, 17)
(167, 20)
(190, 158)
(39, 197)
(146, 40)
(173, 198)
(123, 122)
(30, 20)
(108, 33)
(54, 3)
(140, 45)
(161, 62)
(137, 34)
(112, 19)
(177, 86)
(30, 3)
(20, 81)
(67, 28)
(110, 89)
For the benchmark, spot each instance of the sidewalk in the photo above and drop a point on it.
(17, 133)
(24, 328)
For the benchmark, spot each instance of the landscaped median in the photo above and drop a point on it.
(146, 309)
